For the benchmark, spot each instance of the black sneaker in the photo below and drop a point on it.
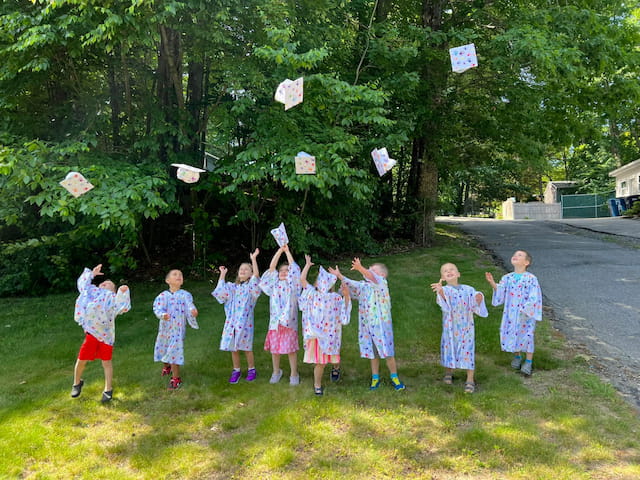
(335, 374)
(77, 389)
(107, 396)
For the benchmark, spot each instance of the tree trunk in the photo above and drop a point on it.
(170, 88)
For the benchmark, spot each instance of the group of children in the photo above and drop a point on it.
(324, 312)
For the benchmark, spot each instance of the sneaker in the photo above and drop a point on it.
(166, 370)
(319, 391)
(516, 362)
(526, 368)
(251, 375)
(77, 389)
(275, 378)
(107, 396)
(235, 376)
(335, 374)
(294, 380)
(375, 383)
(175, 383)
(397, 384)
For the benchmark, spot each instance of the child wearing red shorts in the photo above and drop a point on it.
(96, 310)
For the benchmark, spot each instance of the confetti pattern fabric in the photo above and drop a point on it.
(239, 300)
(169, 346)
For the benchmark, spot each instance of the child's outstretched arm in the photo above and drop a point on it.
(254, 262)
(303, 275)
(357, 266)
(490, 279)
(336, 272)
(276, 258)
(285, 249)
(437, 287)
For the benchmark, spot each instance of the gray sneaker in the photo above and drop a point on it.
(526, 368)
(294, 380)
(275, 378)
(76, 390)
(516, 362)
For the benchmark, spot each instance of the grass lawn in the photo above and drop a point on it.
(561, 423)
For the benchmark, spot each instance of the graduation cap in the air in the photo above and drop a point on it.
(290, 92)
(187, 173)
(76, 184)
(280, 234)
(381, 159)
(305, 164)
(463, 58)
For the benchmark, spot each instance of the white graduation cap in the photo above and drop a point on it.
(280, 234)
(290, 92)
(187, 173)
(76, 184)
(381, 159)
(463, 58)
(305, 164)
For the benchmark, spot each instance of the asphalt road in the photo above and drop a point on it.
(590, 280)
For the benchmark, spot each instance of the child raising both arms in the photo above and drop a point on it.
(520, 293)
(239, 299)
(375, 327)
(323, 314)
(174, 308)
(458, 303)
(283, 287)
(95, 311)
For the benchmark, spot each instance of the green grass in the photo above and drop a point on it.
(562, 423)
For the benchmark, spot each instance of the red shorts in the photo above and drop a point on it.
(93, 348)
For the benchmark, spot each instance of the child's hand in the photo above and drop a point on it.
(165, 316)
(254, 255)
(335, 271)
(285, 248)
(490, 279)
(478, 298)
(194, 312)
(123, 288)
(437, 287)
(223, 270)
(307, 259)
(355, 264)
(96, 270)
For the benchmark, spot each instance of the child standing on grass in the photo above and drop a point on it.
(458, 303)
(96, 310)
(375, 327)
(283, 287)
(239, 299)
(323, 314)
(520, 293)
(174, 308)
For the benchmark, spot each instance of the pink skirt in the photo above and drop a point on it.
(282, 341)
(312, 354)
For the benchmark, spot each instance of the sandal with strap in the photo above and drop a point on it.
(448, 379)
(469, 387)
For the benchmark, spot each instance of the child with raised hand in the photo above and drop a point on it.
(323, 314)
(174, 308)
(375, 326)
(520, 293)
(458, 303)
(283, 287)
(95, 311)
(239, 299)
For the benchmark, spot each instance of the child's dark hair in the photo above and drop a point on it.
(527, 255)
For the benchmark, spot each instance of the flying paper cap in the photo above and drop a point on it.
(290, 92)
(382, 160)
(76, 184)
(325, 280)
(463, 58)
(187, 173)
(305, 164)
(280, 234)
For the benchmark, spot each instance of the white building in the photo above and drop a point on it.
(627, 179)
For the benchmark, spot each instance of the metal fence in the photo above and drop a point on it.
(591, 205)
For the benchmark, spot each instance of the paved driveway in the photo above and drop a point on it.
(591, 282)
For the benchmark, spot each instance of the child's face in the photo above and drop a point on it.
(283, 272)
(244, 272)
(174, 279)
(519, 259)
(378, 270)
(449, 273)
(108, 285)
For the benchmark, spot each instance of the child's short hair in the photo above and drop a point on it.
(527, 255)
(169, 272)
(382, 267)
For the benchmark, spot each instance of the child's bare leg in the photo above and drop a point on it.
(318, 371)
(530, 356)
(375, 366)
(235, 360)
(107, 366)
(391, 364)
(470, 376)
(293, 363)
(275, 361)
(77, 371)
(175, 370)
(250, 360)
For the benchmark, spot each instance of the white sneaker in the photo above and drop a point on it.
(275, 378)
(294, 380)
